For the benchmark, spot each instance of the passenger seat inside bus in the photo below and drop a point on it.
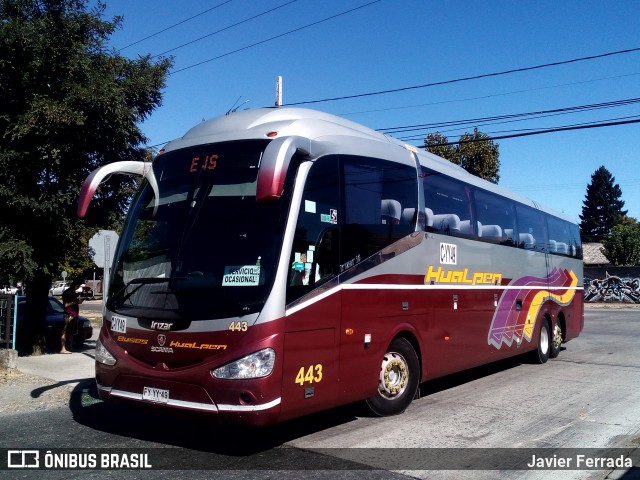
(492, 232)
(465, 228)
(527, 241)
(409, 216)
(390, 212)
(429, 213)
(447, 222)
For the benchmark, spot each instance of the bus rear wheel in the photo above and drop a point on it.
(399, 379)
(556, 340)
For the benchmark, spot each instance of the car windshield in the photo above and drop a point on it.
(205, 248)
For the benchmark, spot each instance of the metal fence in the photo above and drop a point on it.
(7, 321)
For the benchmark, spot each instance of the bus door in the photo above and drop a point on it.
(310, 372)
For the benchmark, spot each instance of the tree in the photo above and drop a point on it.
(622, 246)
(438, 144)
(475, 152)
(67, 106)
(602, 207)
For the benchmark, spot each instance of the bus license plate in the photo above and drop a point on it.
(155, 394)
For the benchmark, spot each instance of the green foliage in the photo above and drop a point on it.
(622, 246)
(438, 144)
(602, 207)
(68, 105)
(475, 152)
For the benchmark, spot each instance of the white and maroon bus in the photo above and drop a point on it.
(276, 262)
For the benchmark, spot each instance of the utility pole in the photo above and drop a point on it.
(279, 91)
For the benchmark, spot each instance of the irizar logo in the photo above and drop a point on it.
(161, 325)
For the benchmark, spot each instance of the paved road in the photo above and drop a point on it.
(91, 306)
(587, 398)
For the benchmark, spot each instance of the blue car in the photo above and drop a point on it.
(54, 322)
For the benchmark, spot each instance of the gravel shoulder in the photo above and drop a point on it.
(20, 392)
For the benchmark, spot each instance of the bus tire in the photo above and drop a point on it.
(541, 354)
(556, 340)
(399, 379)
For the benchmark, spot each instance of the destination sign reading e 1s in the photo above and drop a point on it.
(208, 162)
(241, 276)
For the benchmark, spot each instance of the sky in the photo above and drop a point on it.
(228, 53)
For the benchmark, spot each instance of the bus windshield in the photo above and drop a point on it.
(205, 248)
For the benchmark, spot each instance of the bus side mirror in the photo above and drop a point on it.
(96, 177)
(275, 164)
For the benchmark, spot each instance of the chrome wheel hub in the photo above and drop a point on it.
(393, 375)
(557, 336)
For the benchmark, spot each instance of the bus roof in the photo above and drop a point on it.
(263, 123)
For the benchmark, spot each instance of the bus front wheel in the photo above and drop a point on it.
(399, 379)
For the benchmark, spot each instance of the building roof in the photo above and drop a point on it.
(593, 255)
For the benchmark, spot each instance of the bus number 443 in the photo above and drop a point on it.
(238, 326)
(310, 374)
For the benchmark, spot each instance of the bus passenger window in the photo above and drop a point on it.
(378, 196)
(532, 229)
(560, 237)
(448, 206)
(496, 218)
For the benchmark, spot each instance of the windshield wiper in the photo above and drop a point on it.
(140, 282)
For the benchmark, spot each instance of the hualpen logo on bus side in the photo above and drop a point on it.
(464, 276)
(511, 323)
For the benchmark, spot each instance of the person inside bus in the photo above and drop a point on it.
(302, 271)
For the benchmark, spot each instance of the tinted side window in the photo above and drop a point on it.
(532, 234)
(576, 242)
(352, 207)
(564, 238)
(496, 218)
(314, 256)
(559, 236)
(448, 206)
(379, 196)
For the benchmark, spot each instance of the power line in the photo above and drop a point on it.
(535, 129)
(511, 117)
(465, 79)
(484, 97)
(226, 28)
(174, 25)
(542, 131)
(632, 182)
(275, 37)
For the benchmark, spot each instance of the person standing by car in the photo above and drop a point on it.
(71, 303)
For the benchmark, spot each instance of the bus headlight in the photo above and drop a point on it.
(103, 355)
(256, 365)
